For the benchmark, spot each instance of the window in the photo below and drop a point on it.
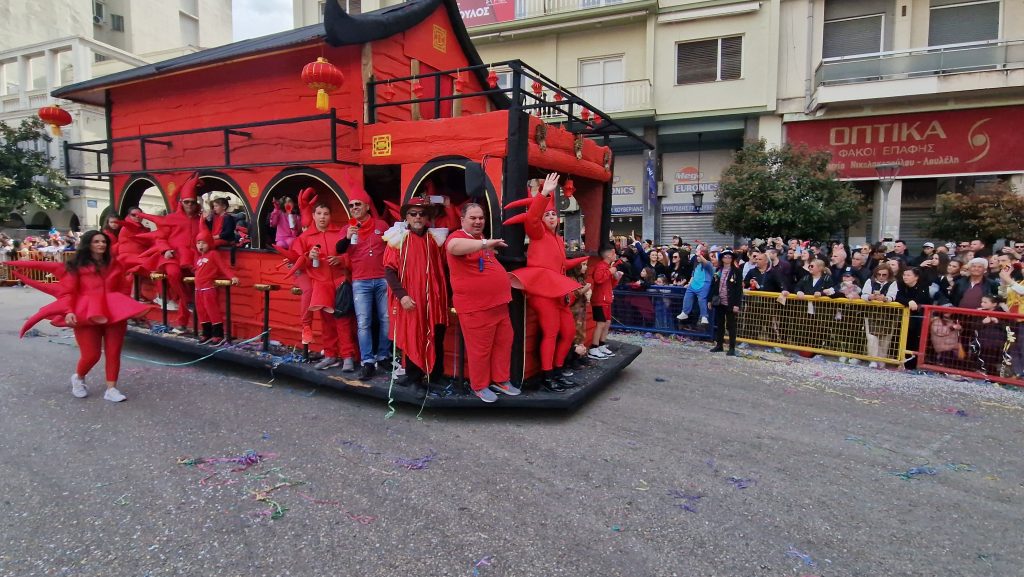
(850, 36)
(956, 21)
(117, 22)
(97, 57)
(709, 60)
(99, 12)
(189, 29)
(601, 82)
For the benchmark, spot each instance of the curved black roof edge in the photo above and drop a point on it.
(339, 29)
(342, 29)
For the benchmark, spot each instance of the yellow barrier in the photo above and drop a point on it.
(839, 327)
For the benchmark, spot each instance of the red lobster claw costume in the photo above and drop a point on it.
(544, 282)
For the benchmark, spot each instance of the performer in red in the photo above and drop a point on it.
(208, 268)
(327, 270)
(547, 288)
(604, 277)
(417, 291)
(90, 300)
(177, 232)
(481, 292)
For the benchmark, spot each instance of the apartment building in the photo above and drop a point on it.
(931, 85)
(45, 45)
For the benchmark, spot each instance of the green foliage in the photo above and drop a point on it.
(786, 192)
(994, 212)
(25, 174)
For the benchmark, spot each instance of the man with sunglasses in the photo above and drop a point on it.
(417, 292)
(363, 242)
(176, 242)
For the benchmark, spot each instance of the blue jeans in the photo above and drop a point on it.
(702, 300)
(367, 294)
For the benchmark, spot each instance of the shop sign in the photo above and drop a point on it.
(480, 12)
(981, 140)
(627, 209)
(690, 188)
(686, 208)
(623, 190)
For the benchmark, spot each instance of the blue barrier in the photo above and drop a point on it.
(654, 310)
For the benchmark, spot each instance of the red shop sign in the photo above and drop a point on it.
(981, 140)
(480, 12)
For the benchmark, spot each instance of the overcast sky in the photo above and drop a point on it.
(251, 18)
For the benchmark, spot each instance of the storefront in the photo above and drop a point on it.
(691, 194)
(937, 152)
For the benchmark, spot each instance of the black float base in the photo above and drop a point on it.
(591, 379)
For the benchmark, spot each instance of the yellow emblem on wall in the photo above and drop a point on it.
(254, 190)
(440, 39)
(171, 187)
(381, 145)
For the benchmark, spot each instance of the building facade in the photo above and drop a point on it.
(44, 46)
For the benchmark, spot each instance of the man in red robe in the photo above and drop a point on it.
(481, 291)
(177, 233)
(417, 293)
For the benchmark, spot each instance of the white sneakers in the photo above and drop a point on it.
(606, 351)
(595, 353)
(113, 395)
(703, 320)
(682, 316)
(171, 305)
(78, 387)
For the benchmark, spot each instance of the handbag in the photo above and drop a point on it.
(343, 300)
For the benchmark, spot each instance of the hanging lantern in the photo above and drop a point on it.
(537, 87)
(323, 77)
(492, 79)
(569, 188)
(460, 83)
(417, 89)
(56, 117)
(388, 92)
(585, 114)
(559, 97)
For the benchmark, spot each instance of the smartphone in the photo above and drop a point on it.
(436, 199)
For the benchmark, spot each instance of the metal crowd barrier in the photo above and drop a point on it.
(655, 309)
(7, 278)
(973, 343)
(839, 327)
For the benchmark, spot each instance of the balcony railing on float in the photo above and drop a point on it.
(921, 62)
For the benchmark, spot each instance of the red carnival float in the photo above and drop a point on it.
(413, 112)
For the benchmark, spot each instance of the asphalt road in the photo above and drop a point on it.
(690, 465)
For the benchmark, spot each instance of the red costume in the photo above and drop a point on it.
(602, 283)
(481, 292)
(209, 266)
(418, 263)
(177, 232)
(339, 341)
(545, 284)
(97, 299)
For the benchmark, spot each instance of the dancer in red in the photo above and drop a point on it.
(417, 292)
(177, 233)
(481, 292)
(545, 284)
(90, 300)
(327, 270)
(209, 267)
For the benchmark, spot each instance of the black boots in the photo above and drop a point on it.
(207, 333)
(718, 348)
(218, 335)
(555, 382)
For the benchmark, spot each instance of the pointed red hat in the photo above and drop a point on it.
(204, 234)
(188, 190)
(307, 198)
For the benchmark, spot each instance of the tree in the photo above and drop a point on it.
(786, 192)
(988, 214)
(25, 173)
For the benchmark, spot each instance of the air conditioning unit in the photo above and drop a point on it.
(97, 19)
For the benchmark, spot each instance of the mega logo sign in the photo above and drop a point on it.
(982, 140)
(480, 12)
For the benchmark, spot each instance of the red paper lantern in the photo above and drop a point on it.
(417, 89)
(388, 92)
(537, 87)
(460, 83)
(569, 188)
(56, 117)
(492, 79)
(585, 114)
(559, 97)
(323, 77)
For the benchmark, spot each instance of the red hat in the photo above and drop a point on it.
(188, 190)
(307, 199)
(204, 235)
(429, 209)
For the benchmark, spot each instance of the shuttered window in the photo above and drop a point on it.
(963, 22)
(709, 60)
(850, 36)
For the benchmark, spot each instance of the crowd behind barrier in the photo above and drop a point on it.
(654, 310)
(973, 343)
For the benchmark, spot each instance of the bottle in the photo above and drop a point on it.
(316, 259)
(355, 238)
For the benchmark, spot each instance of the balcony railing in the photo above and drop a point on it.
(922, 62)
(611, 97)
(523, 9)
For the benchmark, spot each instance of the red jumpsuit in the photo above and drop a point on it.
(339, 332)
(546, 286)
(178, 232)
(418, 262)
(208, 268)
(481, 292)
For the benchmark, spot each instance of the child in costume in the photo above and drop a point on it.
(208, 268)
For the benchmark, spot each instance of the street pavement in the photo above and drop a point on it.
(691, 464)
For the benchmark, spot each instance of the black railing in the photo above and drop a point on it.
(571, 106)
(102, 148)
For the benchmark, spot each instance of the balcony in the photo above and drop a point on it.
(484, 12)
(921, 71)
(612, 97)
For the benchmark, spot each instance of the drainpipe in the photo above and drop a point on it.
(809, 82)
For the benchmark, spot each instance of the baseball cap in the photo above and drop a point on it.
(929, 245)
(848, 271)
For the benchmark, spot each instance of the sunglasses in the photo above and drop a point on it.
(415, 213)
(355, 204)
(188, 202)
(1018, 246)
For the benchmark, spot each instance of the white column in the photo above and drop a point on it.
(24, 81)
(891, 208)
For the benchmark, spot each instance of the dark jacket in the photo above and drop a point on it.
(963, 284)
(807, 285)
(919, 294)
(734, 286)
(776, 279)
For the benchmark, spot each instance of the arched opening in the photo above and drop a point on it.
(76, 226)
(216, 185)
(14, 220)
(446, 178)
(41, 221)
(143, 192)
(287, 185)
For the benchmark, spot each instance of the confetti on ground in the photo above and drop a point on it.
(416, 464)
(741, 483)
(795, 554)
(485, 562)
(914, 472)
(959, 467)
(659, 380)
(688, 503)
(956, 411)
(122, 500)
(616, 528)
(643, 486)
